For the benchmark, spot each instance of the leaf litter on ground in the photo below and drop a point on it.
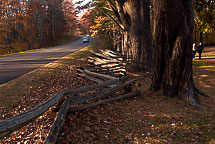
(148, 118)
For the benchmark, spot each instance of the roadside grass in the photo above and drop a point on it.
(61, 41)
(16, 90)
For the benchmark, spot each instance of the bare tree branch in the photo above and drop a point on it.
(115, 21)
(124, 19)
(114, 9)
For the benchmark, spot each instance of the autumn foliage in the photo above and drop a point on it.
(28, 24)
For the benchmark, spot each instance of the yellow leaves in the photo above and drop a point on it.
(19, 15)
(93, 33)
(95, 26)
(98, 26)
(100, 19)
(204, 26)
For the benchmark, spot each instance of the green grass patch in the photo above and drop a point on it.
(203, 63)
(61, 41)
(22, 52)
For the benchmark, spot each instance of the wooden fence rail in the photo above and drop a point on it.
(107, 87)
(51, 138)
(14, 123)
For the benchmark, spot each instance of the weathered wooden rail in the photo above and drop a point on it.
(110, 88)
(103, 62)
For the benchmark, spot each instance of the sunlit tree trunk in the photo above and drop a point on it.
(140, 34)
(134, 18)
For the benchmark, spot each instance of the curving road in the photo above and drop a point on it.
(14, 66)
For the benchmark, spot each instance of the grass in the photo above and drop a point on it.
(11, 92)
(193, 126)
(14, 91)
(61, 41)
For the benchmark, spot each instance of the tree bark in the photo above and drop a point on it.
(126, 45)
(134, 16)
(172, 40)
(42, 32)
(194, 33)
(140, 35)
(201, 37)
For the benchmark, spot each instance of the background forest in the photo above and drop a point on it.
(30, 24)
(103, 20)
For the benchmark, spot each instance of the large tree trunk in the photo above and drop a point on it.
(134, 17)
(140, 35)
(126, 45)
(194, 33)
(201, 37)
(172, 40)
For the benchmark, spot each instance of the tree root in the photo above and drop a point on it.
(193, 96)
(198, 91)
(193, 99)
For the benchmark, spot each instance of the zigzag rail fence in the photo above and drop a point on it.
(107, 69)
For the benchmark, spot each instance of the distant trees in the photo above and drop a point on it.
(28, 24)
(204, 17)
(86, 21)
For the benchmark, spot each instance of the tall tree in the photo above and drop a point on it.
(133, 17)
(86, 21)
(172, 40)
(27, 24)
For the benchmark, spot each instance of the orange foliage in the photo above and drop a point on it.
(34, 22)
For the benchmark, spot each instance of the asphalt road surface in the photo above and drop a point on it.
(14, 66)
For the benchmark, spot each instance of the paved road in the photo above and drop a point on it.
(14, 66)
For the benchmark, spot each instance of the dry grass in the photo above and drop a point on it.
(60, 41)
(12, 92)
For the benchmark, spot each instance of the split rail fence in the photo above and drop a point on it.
(107, 69)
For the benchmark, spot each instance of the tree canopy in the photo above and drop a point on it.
(30, 24)
(205, 15)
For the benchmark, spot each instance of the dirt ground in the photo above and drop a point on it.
(148, 118)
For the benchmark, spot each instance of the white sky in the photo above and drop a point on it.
(85, 1)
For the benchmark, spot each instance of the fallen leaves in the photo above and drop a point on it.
(150, 118)
(37, 131)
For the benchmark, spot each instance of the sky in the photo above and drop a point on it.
(85, 1)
